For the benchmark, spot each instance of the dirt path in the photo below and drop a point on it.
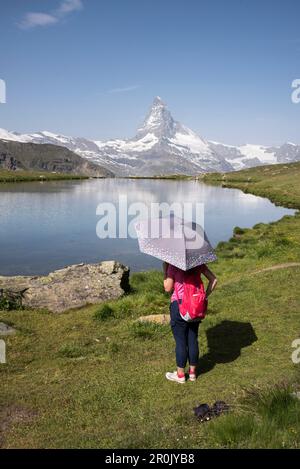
(266, 269)
(277, 267)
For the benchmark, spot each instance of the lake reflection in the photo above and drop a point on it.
(48, 225)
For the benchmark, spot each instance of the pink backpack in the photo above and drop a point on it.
(194, 302)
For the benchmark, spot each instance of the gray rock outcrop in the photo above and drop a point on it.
(71, 287)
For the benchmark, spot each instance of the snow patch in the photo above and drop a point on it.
(192, 141)
(259, 152)
(6, 135)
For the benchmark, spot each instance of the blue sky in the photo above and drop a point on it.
(91, 67)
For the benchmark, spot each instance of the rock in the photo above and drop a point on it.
(72, 287)
(156, 318)
(6, 330)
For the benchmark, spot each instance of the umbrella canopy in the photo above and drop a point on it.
(173, 240)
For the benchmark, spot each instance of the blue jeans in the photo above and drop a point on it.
(186, 338)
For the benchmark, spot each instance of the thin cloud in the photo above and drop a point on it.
(68, 6)
(34, 19)
(37, 19)
(124, 89)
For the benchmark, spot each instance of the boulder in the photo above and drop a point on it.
(71, 287)
(5, 329)
(156, 318)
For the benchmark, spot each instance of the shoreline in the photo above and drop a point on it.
(230, 179)
(250, 181)
(31, 176)
(7, 176)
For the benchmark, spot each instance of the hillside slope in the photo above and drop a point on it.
(280, 182)
(46, 157)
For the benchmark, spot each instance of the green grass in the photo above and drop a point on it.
(147, 330)
(24, 176)
(280, 182)
(104, 312)
(267, 419)
(95, 377)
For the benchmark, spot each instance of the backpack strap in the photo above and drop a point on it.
(176, 292)
(198, 272)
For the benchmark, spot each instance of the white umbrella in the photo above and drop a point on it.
(176, 241)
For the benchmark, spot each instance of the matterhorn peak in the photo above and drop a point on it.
(158, 101)
(158, 121)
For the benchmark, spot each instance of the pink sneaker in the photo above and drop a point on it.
(175, 377)
(192, 375)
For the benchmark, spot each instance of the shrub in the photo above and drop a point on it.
(104, 312)
(10, 300)
(266, 419)
(263, 251)
(123, 307)
(238, 231)
(225, 246)
(230, 430)
(278, 405)
(236, 253)
(282, 241)
(259, 226)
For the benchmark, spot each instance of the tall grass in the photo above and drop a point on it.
(265, 419)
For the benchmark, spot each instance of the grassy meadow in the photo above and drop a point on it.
(94, 377)
(23, 176)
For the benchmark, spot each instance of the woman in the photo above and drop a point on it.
(185, 333)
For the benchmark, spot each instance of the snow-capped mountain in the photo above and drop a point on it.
(247, 156)
(164, 146)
